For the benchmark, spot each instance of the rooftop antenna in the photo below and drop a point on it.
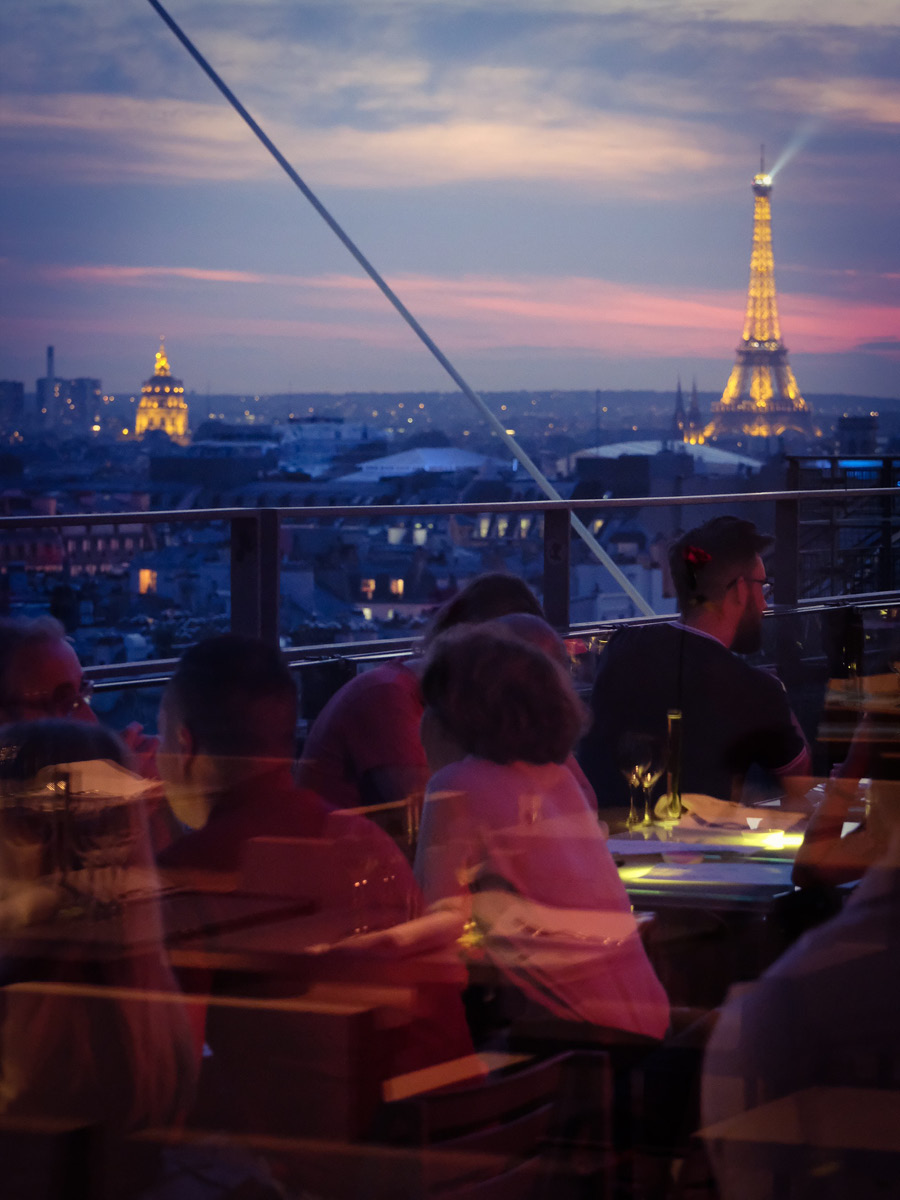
(762, 158)
(498, 428)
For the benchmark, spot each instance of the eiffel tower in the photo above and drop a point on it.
(761, 398)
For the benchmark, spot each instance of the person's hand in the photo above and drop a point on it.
(143, 749)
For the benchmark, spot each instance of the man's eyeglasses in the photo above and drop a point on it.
(766, 584)
(61, 702)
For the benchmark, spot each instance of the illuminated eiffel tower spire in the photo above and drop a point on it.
(761, 398)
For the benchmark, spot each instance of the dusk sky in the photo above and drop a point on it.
(558, 189)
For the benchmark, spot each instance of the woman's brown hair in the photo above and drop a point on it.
(500, 698)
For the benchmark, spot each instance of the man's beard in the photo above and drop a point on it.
(748, 637)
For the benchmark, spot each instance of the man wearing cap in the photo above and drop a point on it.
(735, 717)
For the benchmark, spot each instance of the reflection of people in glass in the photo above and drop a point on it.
(735, 716)
(316, 877)
(74, 849)
(41, 677)
(820, 1027)
(508, 835)
(846, 832)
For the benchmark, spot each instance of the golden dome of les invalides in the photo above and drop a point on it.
(162, 403)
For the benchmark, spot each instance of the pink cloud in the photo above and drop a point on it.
(576, 314)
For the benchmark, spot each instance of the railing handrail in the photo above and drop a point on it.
(161, 516)
(255, 553)
(150, 671)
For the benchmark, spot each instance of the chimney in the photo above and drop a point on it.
(50, 366)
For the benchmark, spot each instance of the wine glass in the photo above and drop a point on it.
(642, 760)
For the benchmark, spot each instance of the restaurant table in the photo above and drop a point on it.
(714, 895)
(718, 886)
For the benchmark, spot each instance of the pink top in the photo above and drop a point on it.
(522, 848)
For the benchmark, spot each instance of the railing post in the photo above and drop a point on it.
(255, 574)
(787, 588)
(886, 546)
(787, 551)
(557, 540)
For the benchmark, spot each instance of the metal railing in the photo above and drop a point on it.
(255, 564)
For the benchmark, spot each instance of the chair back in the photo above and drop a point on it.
(537, 1131)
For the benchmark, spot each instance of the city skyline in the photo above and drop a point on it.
(559, 192)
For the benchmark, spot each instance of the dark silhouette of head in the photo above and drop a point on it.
(40, 675)
(235, 697)
(484, 599)
(536, 632)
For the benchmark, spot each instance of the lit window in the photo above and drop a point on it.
(367, 587)
(396, 587)
(146, 581)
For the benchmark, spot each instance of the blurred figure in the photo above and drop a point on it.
(227, 732)
(830, 855)
(92, 1031)
(824, 1017)
(364, 747)
(227, 724)
(509, 837)
(734, 717)
(41, 676)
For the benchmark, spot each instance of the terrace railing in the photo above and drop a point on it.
(861, 522)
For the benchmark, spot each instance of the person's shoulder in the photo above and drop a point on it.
(465, 774)
(394, 678)
(626, 644)
(764, 680)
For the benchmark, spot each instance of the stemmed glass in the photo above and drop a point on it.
(103, 836)
(642, 760)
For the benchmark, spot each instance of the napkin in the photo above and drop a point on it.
(419, 936)
(704, 811)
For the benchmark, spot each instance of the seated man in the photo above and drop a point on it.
(227, 726)
(41, 678)
(734, 716)
(40, 675)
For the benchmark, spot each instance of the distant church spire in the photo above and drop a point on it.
(678, 420)
(694, 432)
(161, 366)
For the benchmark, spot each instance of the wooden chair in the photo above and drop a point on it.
(533, 1132)
(542, 1130)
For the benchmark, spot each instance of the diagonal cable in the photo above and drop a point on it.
(499, 429)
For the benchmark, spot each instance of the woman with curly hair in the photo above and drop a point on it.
(509, 836)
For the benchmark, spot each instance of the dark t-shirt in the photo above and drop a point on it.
(734, 715)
